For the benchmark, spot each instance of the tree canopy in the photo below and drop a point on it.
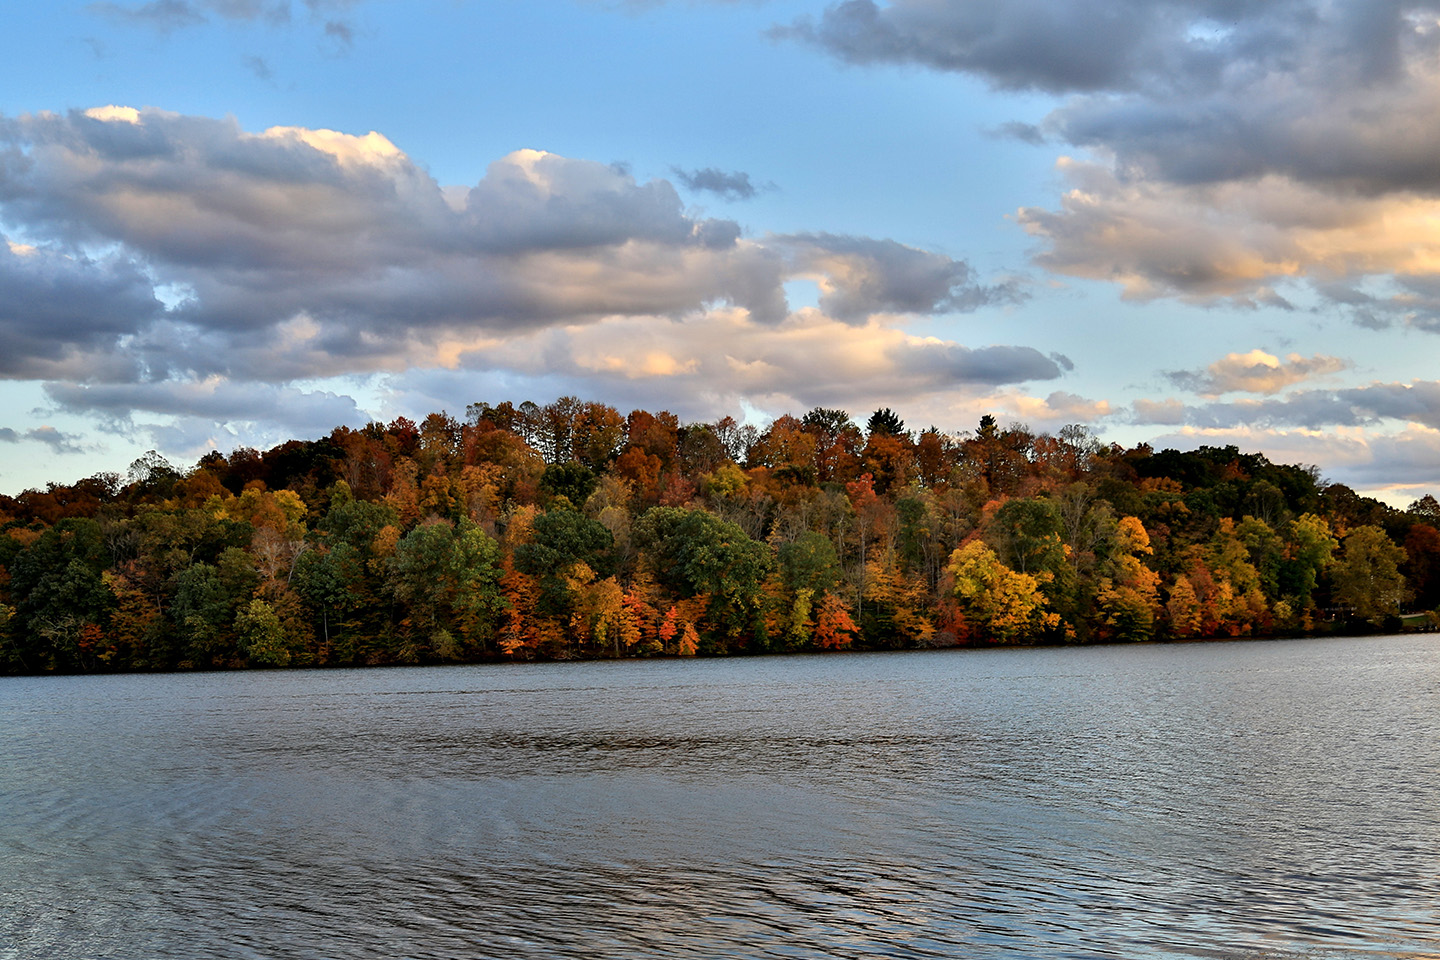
(572, 529)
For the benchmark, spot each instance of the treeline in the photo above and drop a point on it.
(571, 530)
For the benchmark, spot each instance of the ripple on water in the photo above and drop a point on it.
(1237, 800)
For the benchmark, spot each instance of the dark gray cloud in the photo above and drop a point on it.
(734, 185)
(68, 314)
(182, 414)
(864, 276)
(952, 364)
(1417, 402)
(167, 15)
(162, 15)
(259, 67)
(340, 32)
(54, 439)
(1030, 133)
(1053, 45)
(1127, 46)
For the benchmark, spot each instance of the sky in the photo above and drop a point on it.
(230, 223)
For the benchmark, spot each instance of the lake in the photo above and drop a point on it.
(1236, 800)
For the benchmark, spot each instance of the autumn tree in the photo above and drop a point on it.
(1367, 575)
(696, 555)
(999, 603)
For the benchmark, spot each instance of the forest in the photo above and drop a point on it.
(571, 530)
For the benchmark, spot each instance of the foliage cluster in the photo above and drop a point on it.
(571, 530)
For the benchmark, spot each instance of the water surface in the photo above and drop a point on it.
(1238, 800)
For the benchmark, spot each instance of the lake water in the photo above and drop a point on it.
(1239, 800)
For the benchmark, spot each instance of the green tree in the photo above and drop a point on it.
(262, 635)
(1026, 534)
(207, 599)
(59, 591)
(695, 553)
(330, 579)
(448, 580)
(810, 563)
(559, 539)
(1367, 576)
(1308, 552)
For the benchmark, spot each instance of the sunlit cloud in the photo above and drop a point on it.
(1255, 372)
(238, 263)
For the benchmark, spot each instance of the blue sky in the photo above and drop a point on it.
(232, 222)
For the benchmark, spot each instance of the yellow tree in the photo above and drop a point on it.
(1007, 605)
(1183, 609)
(897, 605)
(1128, 595)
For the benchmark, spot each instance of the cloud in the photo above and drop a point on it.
(860, 276)
(811, 357)
(69, 315)
(1370, 405)
(1169, 412)
(161, 15)
(349, 253)
(348, 234)
(341, 32)
(728, 186)
(1018, 130)
(190, 417)
(1226, 148)
(1234, 241)
(259, 67)
(723, 359)
(1167, 49)
(52, 438)
(178, 275)
(936, 361)
(167, 15)
(1255, 372)
(1059, 407)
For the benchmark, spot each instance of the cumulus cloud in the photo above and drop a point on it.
(1255, 372)
(1229, 146)
(172, 268)
(1234, 241)
(860, 276)
(347, 231)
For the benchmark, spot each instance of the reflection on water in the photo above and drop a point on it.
(1240, 800)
